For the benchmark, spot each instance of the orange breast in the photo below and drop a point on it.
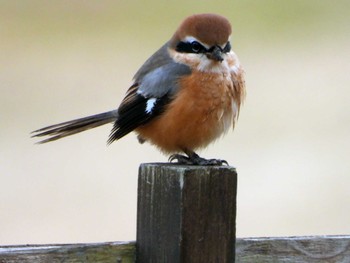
(202, 111)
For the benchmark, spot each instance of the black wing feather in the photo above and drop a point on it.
(133, 114)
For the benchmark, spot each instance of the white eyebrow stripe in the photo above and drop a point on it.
(190, 39)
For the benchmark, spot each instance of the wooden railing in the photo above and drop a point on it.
(187, 214)
(314, 249)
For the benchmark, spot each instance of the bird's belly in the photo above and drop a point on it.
(201, 112)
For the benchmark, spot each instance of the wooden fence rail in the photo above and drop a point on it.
(320, 249)
(187, 214)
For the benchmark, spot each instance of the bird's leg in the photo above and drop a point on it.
(194, 159)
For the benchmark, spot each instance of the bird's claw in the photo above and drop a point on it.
(181, 159)
(216, 162)
(196, 160)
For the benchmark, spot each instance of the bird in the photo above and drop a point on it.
(184, 97)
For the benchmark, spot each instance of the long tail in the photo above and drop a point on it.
(61, 130)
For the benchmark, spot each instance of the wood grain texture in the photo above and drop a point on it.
(320, 249)
(186, 213)
(312, 249)
(111, 252)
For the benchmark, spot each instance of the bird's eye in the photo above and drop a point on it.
(196, 47)
(227, 48)
(190, 47)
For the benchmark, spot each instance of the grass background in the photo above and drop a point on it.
(61, 60)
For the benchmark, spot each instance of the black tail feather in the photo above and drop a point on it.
(61, 130)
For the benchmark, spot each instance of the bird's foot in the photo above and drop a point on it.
(181, 159)
(195, 159)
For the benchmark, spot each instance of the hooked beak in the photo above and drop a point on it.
(215, 54)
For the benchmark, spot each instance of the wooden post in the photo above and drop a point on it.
(186, 213)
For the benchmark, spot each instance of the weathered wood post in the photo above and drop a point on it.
(186, 213)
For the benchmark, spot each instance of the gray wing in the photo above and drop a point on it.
(159, 74)
(155, 84)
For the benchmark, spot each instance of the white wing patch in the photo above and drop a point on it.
(150, 105)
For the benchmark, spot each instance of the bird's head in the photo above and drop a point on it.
(201, 41)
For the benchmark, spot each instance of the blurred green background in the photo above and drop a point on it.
(61, 60)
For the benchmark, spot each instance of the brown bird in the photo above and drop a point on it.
(185, 96)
